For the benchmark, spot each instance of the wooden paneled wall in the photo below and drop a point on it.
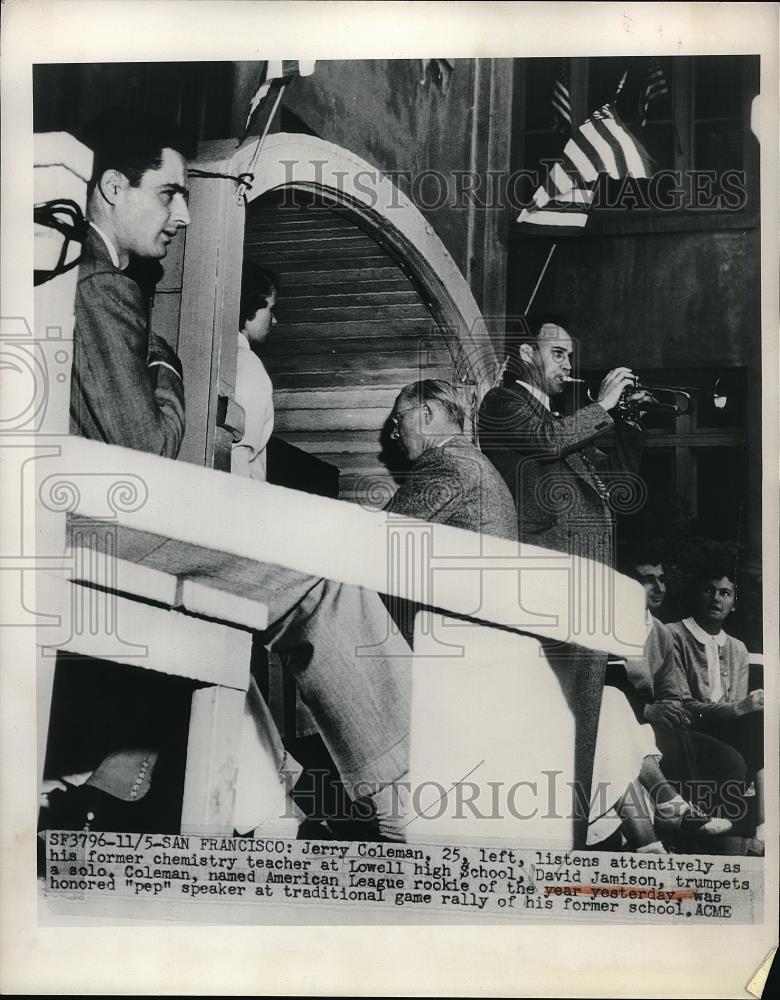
(166, 306)
(352, 330)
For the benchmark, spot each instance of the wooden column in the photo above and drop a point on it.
(486, 266)
(212, 761)
(211, 287)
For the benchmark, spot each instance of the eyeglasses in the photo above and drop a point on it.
(395, 420)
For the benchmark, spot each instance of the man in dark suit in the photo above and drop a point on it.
(550, 463)
(559, 482)
(126, 385)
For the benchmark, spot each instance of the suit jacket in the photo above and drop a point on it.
(655, 675)
(126, 384)
(455, 484)
(552, 469)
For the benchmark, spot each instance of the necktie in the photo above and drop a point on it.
(598, 482)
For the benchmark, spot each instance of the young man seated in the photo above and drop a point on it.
(708, 773)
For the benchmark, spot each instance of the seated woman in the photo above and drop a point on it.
(716, 666)
(706, 770)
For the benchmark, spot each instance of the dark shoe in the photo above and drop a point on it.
(117, 797)
(688, 823)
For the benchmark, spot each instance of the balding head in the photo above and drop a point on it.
(425, 414)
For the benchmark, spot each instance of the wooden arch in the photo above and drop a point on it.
(211, 264)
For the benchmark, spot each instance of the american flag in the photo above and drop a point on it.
(601, 145)
(655, 86)
(561, 99)
(278, 69)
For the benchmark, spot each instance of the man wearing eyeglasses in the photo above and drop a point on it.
(450, 480)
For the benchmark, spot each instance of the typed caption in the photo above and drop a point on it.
(510, 883)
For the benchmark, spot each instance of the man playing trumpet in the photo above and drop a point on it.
(558, 479)
(550, 463)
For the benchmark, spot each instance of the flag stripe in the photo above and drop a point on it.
(656, 86)
(580, 162)
(576, 196)
(574, 172)
(562, 181)
(551, 217)
(541, 198)
(561, 98)
(602, 144)
(635, 163)
(561, 102)
(610, 136)
(602, 149)
(640, 151)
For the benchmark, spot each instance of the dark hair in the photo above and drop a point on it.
(713, 569)
(526, 330)
(130, 142)
(257, 283)
(430, 390)
(706, 560)
(640, 552)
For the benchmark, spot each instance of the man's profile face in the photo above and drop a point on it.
(148, 216)
(407, 427)
(553, 352)
(653, 580)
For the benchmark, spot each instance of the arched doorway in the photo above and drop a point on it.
(353, 328)
(364, 200)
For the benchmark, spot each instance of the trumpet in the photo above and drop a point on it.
(679, 403)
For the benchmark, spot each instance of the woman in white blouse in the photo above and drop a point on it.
(254, 391)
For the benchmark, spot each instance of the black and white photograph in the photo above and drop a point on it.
(392, 454)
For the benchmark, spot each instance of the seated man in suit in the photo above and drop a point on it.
(450, 480)
(127, 390)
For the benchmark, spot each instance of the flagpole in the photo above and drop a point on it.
(541, 276)
(261, 139)
(503, 367)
